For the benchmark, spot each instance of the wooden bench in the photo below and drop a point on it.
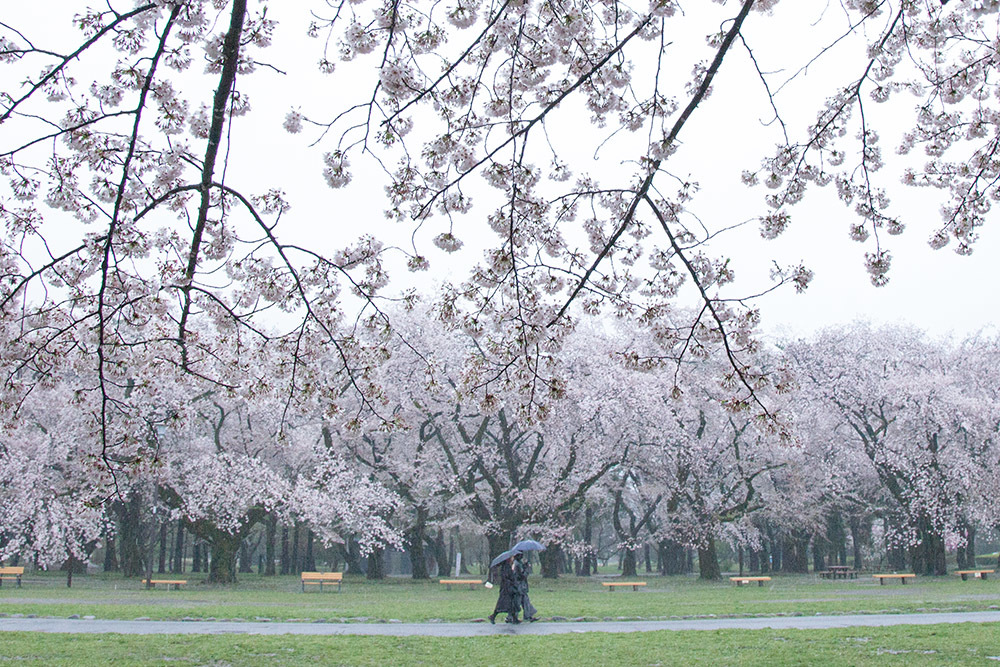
(975, 574)
(321, 578)
(11, 571)
(176, 583)
(612, 585)
(740, 581)
(471, 582)
(902, 578)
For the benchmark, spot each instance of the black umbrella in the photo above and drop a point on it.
(502, 557)
(528, 545)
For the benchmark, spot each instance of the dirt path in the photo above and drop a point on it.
(481, 629)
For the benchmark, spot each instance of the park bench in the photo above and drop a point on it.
(176, 583)
(740, 581)
(11, 571)
(902, 577)
(321, 578)
(612, 585)
(471, 582)
(975, 574)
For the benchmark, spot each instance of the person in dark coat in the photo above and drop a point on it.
(507, 602)
(521, 571)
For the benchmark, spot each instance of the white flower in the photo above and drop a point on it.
(293, 122)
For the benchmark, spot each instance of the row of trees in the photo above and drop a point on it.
(178, 334)
(894, 444)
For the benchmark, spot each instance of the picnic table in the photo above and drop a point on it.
(839, 572)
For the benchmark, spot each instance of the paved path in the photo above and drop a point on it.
(481, 629)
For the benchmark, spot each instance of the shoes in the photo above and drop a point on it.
(531, 619)
(513, 620)
(493, 619)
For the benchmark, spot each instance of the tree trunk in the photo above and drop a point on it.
(795, 552)
(110, 556)
(245, 566)
(549, 560)
(649, 564)
(196, 557)
(130, 536)
(352, 556)
(708, 561)
(674, 557)
(895, 555)
(861, 536)
(819, 553)
(296, 558)
(310, 551)
(466, 552)
(270, 535)
(161, 565)
(836, 537)
(441, 555)
(415, 545)
(965, 555)
(222, 568)
(376, 564)
(588, 534)
(628, 563)
(286, 560)
(178, 562)
(499, 542)
(928, 554)
(777, 551)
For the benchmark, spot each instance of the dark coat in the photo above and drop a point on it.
(507, 602)
(521, 571)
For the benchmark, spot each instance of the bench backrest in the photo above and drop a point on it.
(11, 570)
(323, 576)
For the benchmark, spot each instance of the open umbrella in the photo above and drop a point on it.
(528, 545)
(502, 557)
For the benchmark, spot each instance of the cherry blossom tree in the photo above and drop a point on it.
(450, 456)
(238, 457)
(915, 420)
(138, 249)
(50, 486)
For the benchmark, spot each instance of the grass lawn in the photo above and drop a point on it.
(280, 598)
(963, 644)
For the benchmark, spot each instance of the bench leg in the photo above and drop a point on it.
(760, 583)
(881, 581)
(902, 580)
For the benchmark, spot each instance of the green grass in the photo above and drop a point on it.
(964, 644)
(280, 598)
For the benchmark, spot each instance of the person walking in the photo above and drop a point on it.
(521, 570)
(507, 601)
